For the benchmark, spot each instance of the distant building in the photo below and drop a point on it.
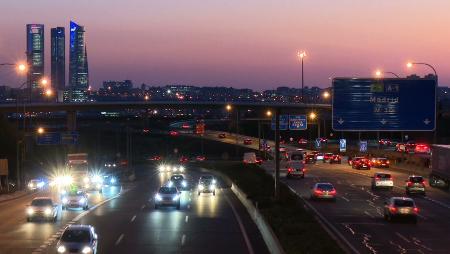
(58, 59)
(78, 64)
(35, 54)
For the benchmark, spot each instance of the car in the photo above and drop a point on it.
(400, 147)
(110, 165)
(415, 184)
(93, 183)
(249, 158)
(354, 159)
(168, 196)
(200, 158)
(222, 135)
(295, 169)
(302, 141)
(259, 160)
(422, 148)
(296, 156)
(110, 180)
(179, 181)
(380, 162)
(384, 142)
(183, 159)
(78, 239)
(327, 157)
(310, 159)
(320, 156)
(361, 163)
(75, 199)
(400, 207)
(35, 184)
(335, 158)
(155, 158)
(323, 191)
(42, 208)
(173, 133)
(247, 141)
(382, 180)
(145, 130)
(410, 147)
(206, 184)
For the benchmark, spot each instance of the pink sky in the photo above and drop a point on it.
(251, 43)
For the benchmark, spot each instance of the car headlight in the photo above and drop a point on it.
(201, 187)
(61, 249)
(212, 186)
(82, 200)
(113, 180)
(161, 168)
(176, 197)
(64, 200)
(86, 179)
(214, 181)
(184, 183)
(170, 184)
(181, 168)
(47, 211)
(86, 250)
(40, 184)
(114, 165)
(30, 185)
(30, 211)
(158, 197)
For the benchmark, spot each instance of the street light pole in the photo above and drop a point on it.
(302, 55)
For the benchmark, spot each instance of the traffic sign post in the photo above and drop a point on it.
(318, 143)
(342, 145)
(363, 146)
(384, 104)
(49, 138)
(297, 122)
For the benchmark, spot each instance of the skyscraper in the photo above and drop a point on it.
(35, 54)
(78, 69)
(58, 58)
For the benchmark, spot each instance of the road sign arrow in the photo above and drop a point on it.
(340, 121)
(383, 121)
(426, 121)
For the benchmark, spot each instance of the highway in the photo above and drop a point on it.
(126, 222)
(358, 213)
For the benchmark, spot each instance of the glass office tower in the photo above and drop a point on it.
(58, 58)
(35, 54)
(78, 69)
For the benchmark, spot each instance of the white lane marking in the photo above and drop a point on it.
(241, 226)
(186, 219)
(402, 237)
(133, 218)
(346, 199)
(119, 239)
(183, 239)
(368, 214)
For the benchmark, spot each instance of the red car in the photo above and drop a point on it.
(362, 163)
(184, 159)
(335, 158)
(200, 158)
(173, 133)
(422, 148)
(327, 157)
(247, 141)
(222, 135)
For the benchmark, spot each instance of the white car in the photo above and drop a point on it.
(168, 196)
(382, 180)
(77, 199)
(78, 239)
(42, 208)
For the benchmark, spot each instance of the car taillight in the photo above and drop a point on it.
(390, 178)
(377, 178)
(409, 184)
(416, 209)
(318, 191)
(423, 183)
(393, 209)
(333, 192)
(387, 162)
(290, 169)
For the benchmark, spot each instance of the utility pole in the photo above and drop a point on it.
(277, 154)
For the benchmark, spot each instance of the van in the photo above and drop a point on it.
(249, 158)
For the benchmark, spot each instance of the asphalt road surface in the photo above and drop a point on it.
(126, 222)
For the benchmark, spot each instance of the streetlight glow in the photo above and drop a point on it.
(228, 107)
(409, 65)
(146, 97)
(49, 92)
(378, 73)
(21, 68)
(326, 95)
(44, 82)
(40, 130)
(312, 115)
(301, 54)
(268, 113)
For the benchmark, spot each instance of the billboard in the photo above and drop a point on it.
(370, 104)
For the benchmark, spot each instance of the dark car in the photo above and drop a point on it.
(362, 163)
(247, 141)
(400, 207)
(335, 158)
(380, 162)
(310, 159)
(179, 181)
(222, 135)
(327, 157)
(415, 184)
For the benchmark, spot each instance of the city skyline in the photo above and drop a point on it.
(256, 48)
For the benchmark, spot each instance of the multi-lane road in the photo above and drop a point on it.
(126, 222)
(357, 215)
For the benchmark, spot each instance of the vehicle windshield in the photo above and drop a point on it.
(325, 187)
(168, 190)
(296, 157)
(207, 178)
(416, 179)
(42, 202)
(403, 203)
(296, 165)
(76, 236)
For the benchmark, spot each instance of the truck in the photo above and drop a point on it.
(440, 166)
(82, 177)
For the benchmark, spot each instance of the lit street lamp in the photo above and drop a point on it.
(326, 95)
(268, 113)
(40, 130)
(379, 73)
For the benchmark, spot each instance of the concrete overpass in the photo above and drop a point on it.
(72, 108)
